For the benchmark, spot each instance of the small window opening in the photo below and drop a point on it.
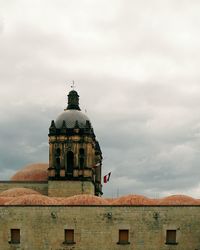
(81, 158)
(171, 237)
(70, 162)
(81, 151)
(58, 161)
(69, 236)
(58, 151)
(81, 162)
(123, 237)
(15, 236)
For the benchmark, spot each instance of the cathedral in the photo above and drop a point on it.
(60, 205)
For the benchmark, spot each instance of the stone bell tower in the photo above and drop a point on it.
(75, 156)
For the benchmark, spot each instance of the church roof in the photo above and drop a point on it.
(83, 199)
(4, 200)
(16, 192)
(178, 200)
(23, 198)
(132, 200)
(32, 172)
(33, 199)
(71, 117)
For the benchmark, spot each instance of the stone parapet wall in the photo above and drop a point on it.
(97, 227)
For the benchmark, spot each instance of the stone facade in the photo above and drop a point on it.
(97, 227)
(69, 188)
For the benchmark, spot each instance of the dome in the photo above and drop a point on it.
(4, 200)
(15, 192)
(83, 199)
(155, 201)
(178, 200)
(33, 199)
(32, 172)
(132, 200)
(70, 117)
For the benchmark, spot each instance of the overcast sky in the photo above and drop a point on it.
(136, 69)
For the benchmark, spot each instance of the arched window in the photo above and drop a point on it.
(81, 151)
(58, 151)
(81, 162)
(70, 162)
(81, 158)
(57, 161)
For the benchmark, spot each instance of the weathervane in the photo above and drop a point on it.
(73, 85)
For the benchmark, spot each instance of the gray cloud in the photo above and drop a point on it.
(136, 66)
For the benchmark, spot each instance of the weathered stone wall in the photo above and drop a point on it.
(75, 142)
(69, 188)
(42, 228)
(41, 187)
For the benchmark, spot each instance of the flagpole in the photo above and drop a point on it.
(117, 192)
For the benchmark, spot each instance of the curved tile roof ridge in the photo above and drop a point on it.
(33, 199)
(82, 199)
(28, 198)
(15, 192)
(132, 199)
(32, 172)
(178, 199)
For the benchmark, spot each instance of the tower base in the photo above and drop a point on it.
(63, 188)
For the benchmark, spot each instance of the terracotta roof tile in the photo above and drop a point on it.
(4, 200)
(15, 192)
(132, 199)
(32, 172)
(32, 199)
(83, 199)
(178, 200)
